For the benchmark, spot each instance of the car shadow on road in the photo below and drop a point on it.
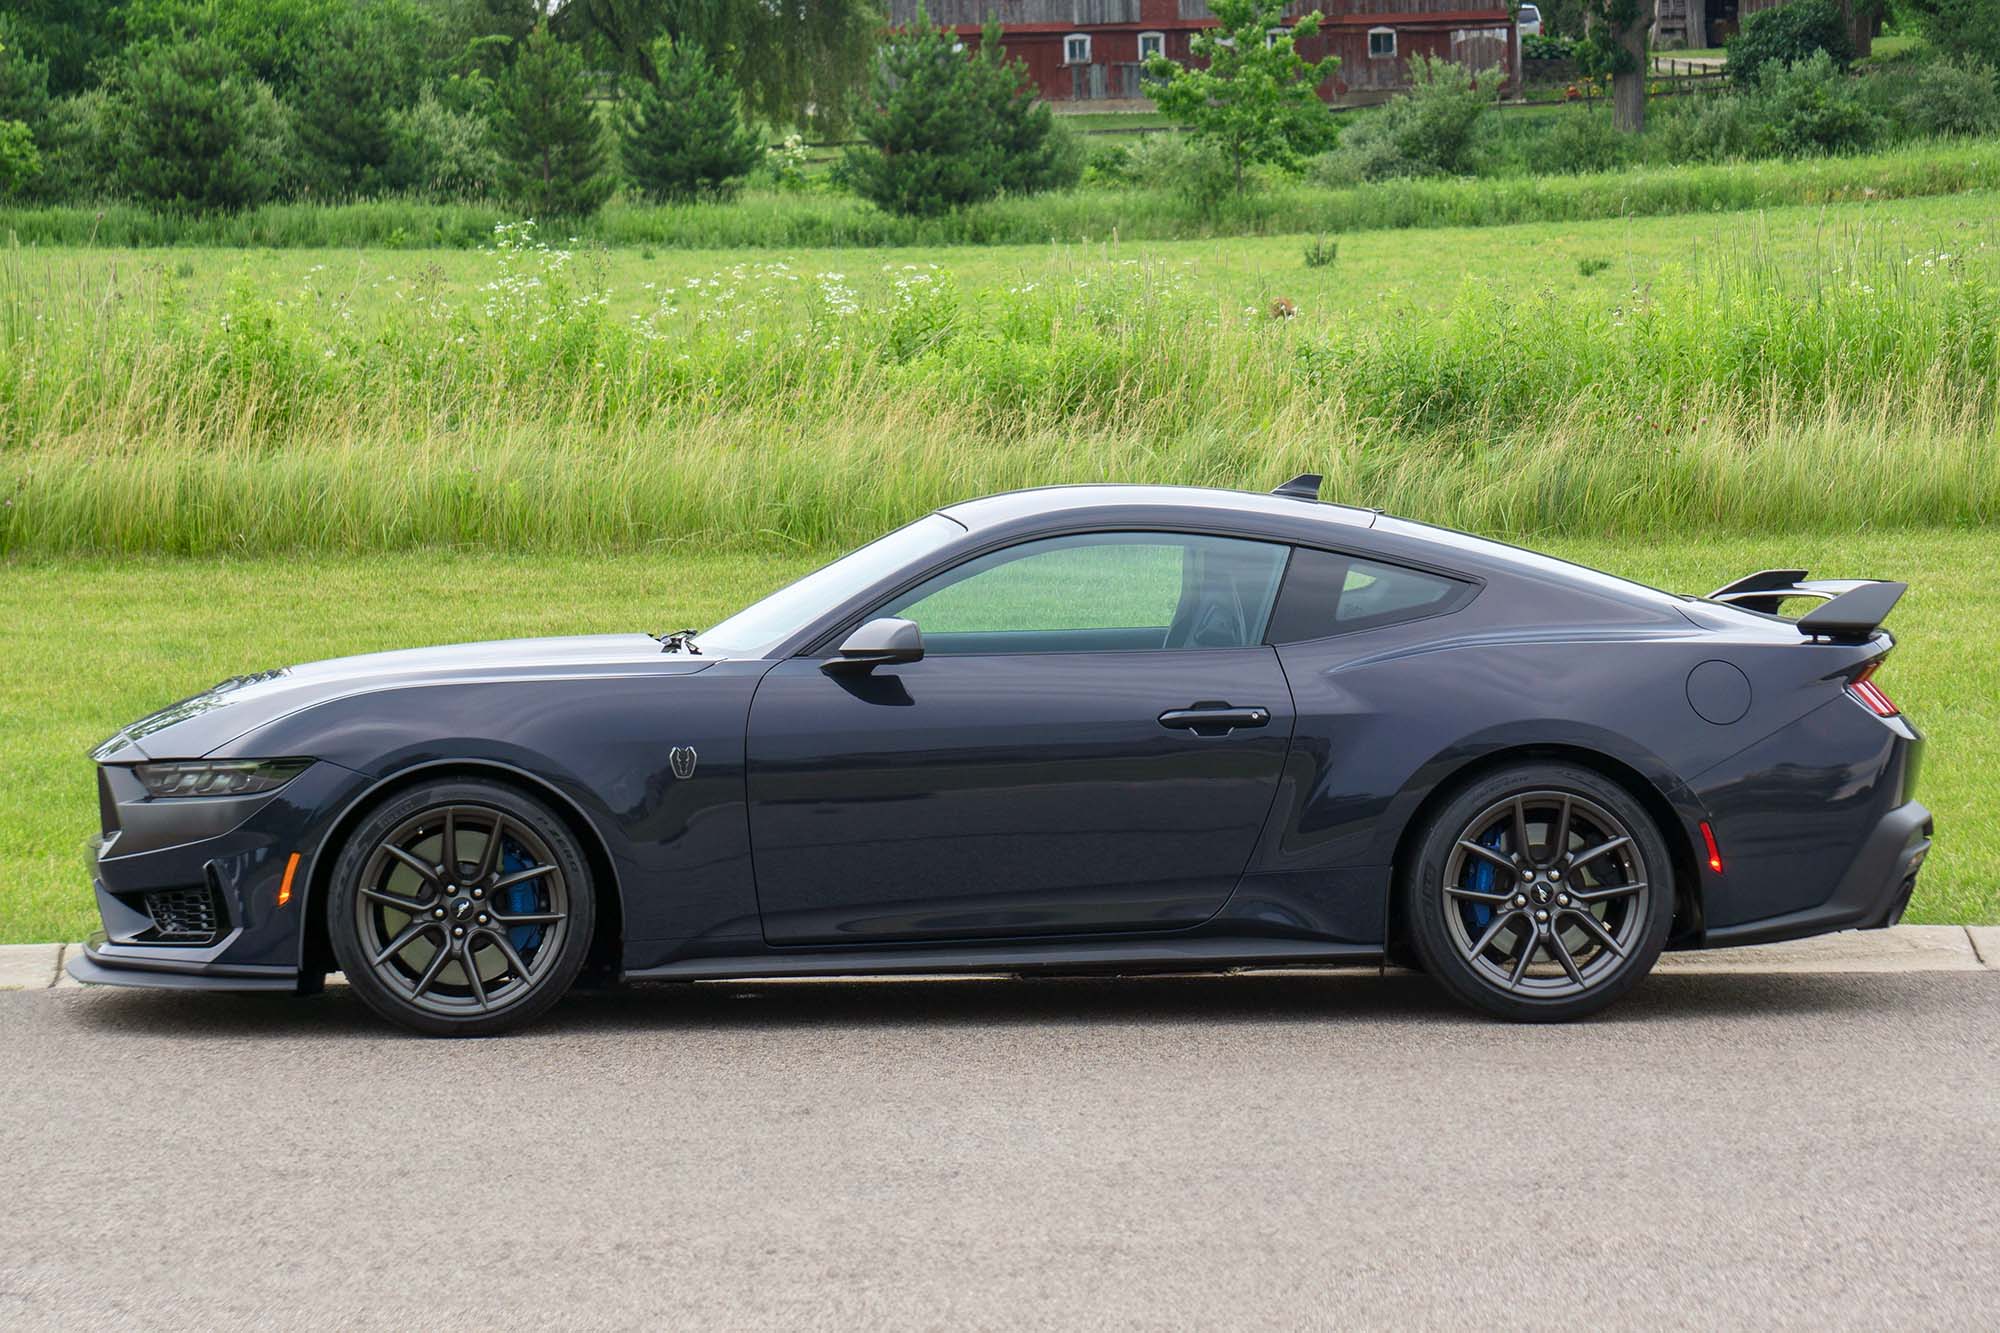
(1216, 1000)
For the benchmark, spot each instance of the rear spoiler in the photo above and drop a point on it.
(1854, 610)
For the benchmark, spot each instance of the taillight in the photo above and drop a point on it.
(1864, 688)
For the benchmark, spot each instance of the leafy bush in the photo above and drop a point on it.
(1584, 139)
(359, 71)
(1429, 131)
(1542, 46)
(1810, 108)
(187, 125)
(941, 131)
(683, 137)
(552, 150)
(1952, 97)
(20, 162)
(1969, 29)
(442, 153)
(1787, 35)
(1108, 164)
(76, 163)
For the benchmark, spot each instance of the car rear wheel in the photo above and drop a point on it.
(1539, 893)
(461, 908)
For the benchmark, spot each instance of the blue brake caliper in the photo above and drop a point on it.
(522, 897)
(1485, 878)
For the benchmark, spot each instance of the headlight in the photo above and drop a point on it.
(219, 777)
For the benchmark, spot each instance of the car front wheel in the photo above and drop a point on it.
(461, 908)
(1541, 892)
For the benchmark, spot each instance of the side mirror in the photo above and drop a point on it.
(881, 642)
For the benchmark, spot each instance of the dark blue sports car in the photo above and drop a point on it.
(1080, 729)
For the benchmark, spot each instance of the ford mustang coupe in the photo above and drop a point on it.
(1081, 729)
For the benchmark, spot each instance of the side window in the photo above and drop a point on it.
(1335, 594)
(1100, 592)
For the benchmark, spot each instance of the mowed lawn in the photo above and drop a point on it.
(91, 646)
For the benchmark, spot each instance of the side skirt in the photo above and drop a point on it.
(1133, 956)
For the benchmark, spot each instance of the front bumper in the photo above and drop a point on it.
(225, 855)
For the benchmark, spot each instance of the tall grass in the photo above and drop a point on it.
(763, 406)
(800, 221)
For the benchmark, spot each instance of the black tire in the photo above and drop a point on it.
(486, 943)
(1527, 954)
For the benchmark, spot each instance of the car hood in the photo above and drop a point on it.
(196, 725)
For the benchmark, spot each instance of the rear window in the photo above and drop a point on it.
(1327, 594)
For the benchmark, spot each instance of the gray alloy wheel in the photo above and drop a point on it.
(1541, 893)
(461, 908)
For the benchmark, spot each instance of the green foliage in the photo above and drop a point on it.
(941, 131)
(1256, 100)
(1429, 131)
(76, 138)
(552, 149)
(1546, 46)
(1788, 34)
(24, 88)
(1809, 108)
(683, 138)
(1952, 97)
(360, 71)
(1969, 29)
(1589, 266)
(20, 162)
(70, 37)
(1036, 153)
(1584, 139)
(797, 62)
(187, 126)
(274, 39)
(1322, 252)
(442, 153)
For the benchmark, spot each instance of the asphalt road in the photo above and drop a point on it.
(1293, 1151)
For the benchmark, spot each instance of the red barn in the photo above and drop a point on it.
(1095, 49)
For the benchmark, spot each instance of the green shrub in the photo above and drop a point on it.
(1787, 35)
(1036, 153)
(1584, 139)
(1428, 131)
(77, 162)
(1969, 29)
(358, 72)
(683, 137)
(442, 153)
(552, 150)
(1108, 164)
(20, 161)
(1543, 46)
(1809, 108)
(1952, 97)
(925, 146)
(24, 89)
(187, 126)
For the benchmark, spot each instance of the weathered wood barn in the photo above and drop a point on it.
(1094, 49)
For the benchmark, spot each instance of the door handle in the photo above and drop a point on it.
(1210, 719)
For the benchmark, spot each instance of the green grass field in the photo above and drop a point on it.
(95, 644)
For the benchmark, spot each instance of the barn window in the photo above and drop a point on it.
(1381, 42)
(1152, 44)
(1076, 49)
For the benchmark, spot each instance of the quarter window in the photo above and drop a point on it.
(1381, 42)
(1328, 594)
(1100, 592)
(1076, 49)
(1152, 44)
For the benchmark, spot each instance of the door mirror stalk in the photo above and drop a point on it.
(884, 642)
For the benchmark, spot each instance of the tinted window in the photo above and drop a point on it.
(1335, 594)
(1101, 592)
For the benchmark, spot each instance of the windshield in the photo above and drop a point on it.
(762, 626)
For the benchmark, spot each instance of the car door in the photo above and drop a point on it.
(1046, 767)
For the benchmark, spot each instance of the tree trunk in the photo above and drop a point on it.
(1628, 88)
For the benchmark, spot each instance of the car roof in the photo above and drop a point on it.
(1293, 518)
(1043, 501)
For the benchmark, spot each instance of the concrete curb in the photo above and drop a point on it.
(1902, 949)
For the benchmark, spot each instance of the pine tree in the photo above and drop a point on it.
(1035, 155)
(551, 146)
(683, 137)
(927, 128)
(188, 125)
